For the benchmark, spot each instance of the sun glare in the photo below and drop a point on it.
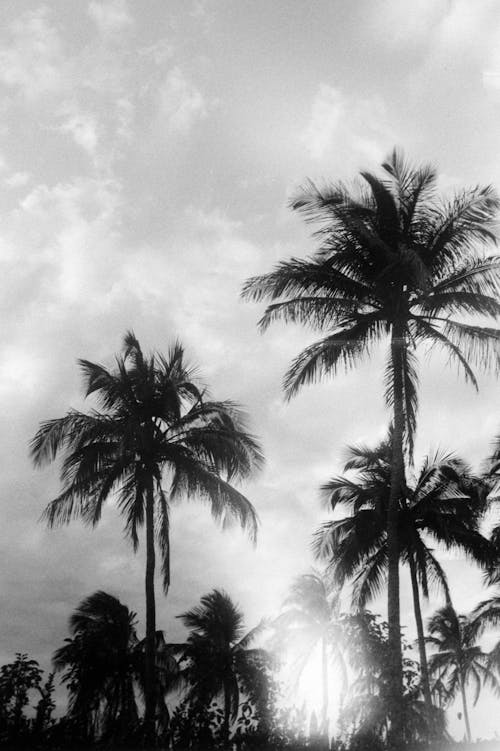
(303, 683)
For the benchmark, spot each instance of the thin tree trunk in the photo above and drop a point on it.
(466, 711)
(424, 669)
(227, 713)
(324, 679)
(150, 651)
(395, 666)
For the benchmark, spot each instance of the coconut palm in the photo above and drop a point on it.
(100, 664)
(485, 616)
(104, 665)
(445, 503)
(156, 438)
(217, 659)
(310, 618)
(395, 263)
(458, 660)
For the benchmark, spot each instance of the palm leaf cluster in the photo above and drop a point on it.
(444, 506)
(390, 254)
(155, 425)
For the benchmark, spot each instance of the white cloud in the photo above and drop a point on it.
(17, 179)
(32, 60)
(181, 103)
(83, 129)
(327, 110)
(347, 126)
(396, 24)
(110, 16)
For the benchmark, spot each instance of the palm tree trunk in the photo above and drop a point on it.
(150, 664)
(468, 735)
(395, 676)
(424, 669)
(324, 678)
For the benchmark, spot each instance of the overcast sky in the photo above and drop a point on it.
(147, 154)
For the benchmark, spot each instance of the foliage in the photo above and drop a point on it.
(218, 661)
(397, 265)
(18, 681)
(367, 708)
(103, 664)
(445, 502)
(155, 424)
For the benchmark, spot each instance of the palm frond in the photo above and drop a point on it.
(370, 580)
(344, 348)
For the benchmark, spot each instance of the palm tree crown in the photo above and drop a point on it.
(156, 423)
(445, 504)
(391, 256)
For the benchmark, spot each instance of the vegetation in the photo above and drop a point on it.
(395, 263)
(445, 504)
(155, 424)
(457, 660)
(218, 661)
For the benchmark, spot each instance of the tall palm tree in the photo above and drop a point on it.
(310, 618)
(445, 503)
(155, 425)
(394, 262)
(458, 660)
(100, 664)
(217, 657)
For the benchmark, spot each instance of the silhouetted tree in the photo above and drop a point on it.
(218, 659)
(394, 262)
(445, 503)
(156, 425)
(100, 664)
(458, 659)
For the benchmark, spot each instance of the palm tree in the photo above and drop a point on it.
(395, 263)
(458, 659)
(218, 658)
(100, 664)
(310, 618)
(155, 424)
(445, 503)
(486, 615)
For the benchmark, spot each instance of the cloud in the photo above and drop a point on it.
(110, 16)
(327, 110)
(32, 59)
(181, 104)
(349, 126)
(17, 179)
(395, 24)
(83, 129)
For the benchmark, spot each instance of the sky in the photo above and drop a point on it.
(148, 152)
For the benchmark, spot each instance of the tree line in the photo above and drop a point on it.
(394, 263)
